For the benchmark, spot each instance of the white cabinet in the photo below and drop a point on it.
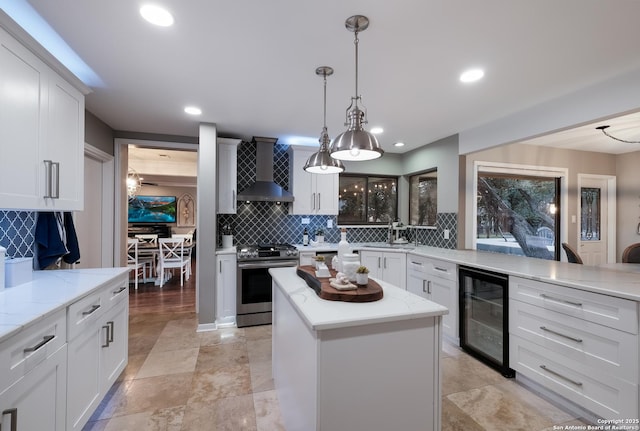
(581, 345)
(314, 193)
(227, 175)
(33, 366)
(226, 289)
(436, 280)
(386, 266)
(306, 257)
(41, 132)
(98, 339)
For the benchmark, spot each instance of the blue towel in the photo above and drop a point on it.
(56, 238)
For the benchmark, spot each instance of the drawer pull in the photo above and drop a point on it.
(14, 418)
(555, 373)
(569, 337)
(437, 268)
(91, 311)
(551, 298)
(115, 292)
(416, 263)
(44, 341)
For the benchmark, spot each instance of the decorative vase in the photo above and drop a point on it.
(362, 278)
(350, 264)
(320, 238)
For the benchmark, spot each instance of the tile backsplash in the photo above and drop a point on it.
(17, 232)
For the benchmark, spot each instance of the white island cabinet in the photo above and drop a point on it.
(355, 366)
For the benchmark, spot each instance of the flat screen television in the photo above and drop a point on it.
(152, 209)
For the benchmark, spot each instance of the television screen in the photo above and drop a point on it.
(152, 209)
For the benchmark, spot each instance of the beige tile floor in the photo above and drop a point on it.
(180, 380)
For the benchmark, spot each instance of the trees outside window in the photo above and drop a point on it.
(367, 200)
(423, 198)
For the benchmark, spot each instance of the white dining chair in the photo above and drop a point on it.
(188, 245)
(148, 254)
(134, 263)
(172, 254)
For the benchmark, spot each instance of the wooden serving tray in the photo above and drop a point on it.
(370, 292)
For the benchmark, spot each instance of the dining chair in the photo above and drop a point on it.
(631, 254)
(172, 254)
(188, 244)
(572, 255)
(134, 263)
(149, 253)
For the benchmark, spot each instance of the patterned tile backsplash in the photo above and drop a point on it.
(254, 222)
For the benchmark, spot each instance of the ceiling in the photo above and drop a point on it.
(250, 64)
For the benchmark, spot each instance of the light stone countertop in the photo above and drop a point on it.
(320, 314)
(621, 280)
(47, 293)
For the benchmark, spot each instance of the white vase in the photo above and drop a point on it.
(350, 264)
(362, 278)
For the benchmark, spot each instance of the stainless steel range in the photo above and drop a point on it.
(253, 301)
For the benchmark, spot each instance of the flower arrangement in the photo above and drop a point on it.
(319, 232)
(319, 258)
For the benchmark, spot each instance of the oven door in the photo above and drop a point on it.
(254, 285)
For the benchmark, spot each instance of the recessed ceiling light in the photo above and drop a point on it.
(471, 75)
(156, 15)
(377, 130)
(193, 110)
(399, 144)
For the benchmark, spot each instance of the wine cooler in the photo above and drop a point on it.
(484, 317)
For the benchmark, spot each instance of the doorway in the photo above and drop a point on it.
(596, 218)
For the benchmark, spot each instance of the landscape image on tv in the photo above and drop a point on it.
(152, 209)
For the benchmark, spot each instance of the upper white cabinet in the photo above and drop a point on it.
(314, 193)
(227, 175)
(41, 133)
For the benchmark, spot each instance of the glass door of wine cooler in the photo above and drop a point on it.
(484, 317)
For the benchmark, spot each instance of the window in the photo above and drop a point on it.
(367, 199)
(423, 198)
(518, 214)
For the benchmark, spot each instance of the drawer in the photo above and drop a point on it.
(432, 267)
(115, 292)
(606, 310)
(26, 349)
(600, 347)
(606, 396)
(83, 313)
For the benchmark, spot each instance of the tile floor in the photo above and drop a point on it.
(181, 380)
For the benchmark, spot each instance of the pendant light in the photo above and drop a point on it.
(322, 162)
(356, 143)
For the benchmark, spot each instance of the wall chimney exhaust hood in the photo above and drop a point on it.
(265, 189)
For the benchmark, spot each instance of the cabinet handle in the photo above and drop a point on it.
(551, 298)
(423, 287)
(115, 292)
(555, 373)
(429, 287)
(318, 201)
(378, 262)
(233, 200)
(107, 337)
(384, 260)
(91, 311)
(49, 179)
(44, 341)
(14, 418)
(416, 263)
(220, 265)
(56, 165)
(314, 201)
(110, 331)
(569, 337)
(437, 268)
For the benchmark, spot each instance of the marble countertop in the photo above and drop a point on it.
(319, 314)
(621, 280)
(47, 293)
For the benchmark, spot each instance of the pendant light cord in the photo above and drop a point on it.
(355, 42)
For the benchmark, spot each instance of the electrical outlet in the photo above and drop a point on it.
(446, 234)
(306, 220)
(329, 224)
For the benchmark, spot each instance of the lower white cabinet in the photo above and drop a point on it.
(226, 289)
(98, 340)
(386, 266)
(580, 345)
(436, 280)
(306, 257)
(33, 371)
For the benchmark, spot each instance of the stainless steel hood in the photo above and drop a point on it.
(264, 189)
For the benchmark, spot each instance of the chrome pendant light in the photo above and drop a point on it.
(356, 143)
(322, 162)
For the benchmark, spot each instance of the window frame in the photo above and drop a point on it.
(367, 178)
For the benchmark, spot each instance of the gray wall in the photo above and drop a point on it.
(98, 133)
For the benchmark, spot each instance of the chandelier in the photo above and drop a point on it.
(603, 129)
(133, 183)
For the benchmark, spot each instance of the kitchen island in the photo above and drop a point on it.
(355, 366)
